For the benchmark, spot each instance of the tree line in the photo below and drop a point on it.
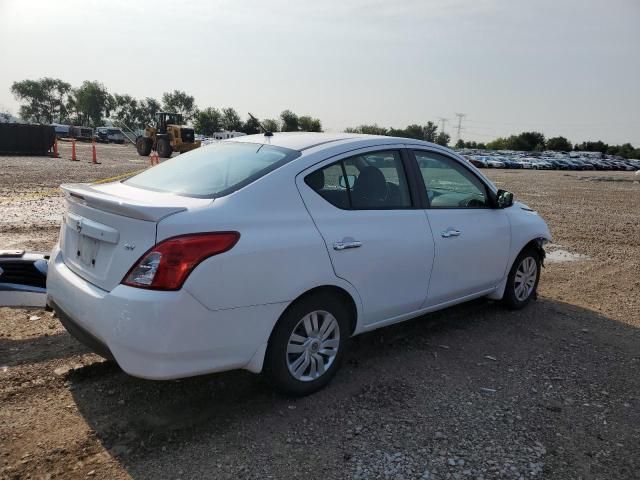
(428, 132)
(51, 100)
(536, 142)
(525, 141)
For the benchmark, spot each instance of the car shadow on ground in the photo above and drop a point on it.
(25, 351)
(565, 369)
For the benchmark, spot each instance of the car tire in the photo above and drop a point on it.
(164, 148)
(522, 283)
(296, 345)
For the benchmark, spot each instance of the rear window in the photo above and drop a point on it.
(213, 171)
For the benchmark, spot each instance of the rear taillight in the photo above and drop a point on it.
(167, 265)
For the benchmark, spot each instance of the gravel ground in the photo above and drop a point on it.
(474, 391)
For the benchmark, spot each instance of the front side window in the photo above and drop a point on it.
(371, 181)
(449, 184)
(214, 170)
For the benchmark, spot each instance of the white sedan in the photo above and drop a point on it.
(492, 163)
(268, 252)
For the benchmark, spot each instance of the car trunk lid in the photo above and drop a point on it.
(107, 228)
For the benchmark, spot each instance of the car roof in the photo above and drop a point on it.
(305, 140)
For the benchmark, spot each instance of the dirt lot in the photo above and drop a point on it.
(475, 391)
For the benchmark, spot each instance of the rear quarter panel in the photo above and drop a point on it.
(280, 254)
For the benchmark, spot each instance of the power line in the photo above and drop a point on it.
(491, 135)
(493, 129)
(561, 125)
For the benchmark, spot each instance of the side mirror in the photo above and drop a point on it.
(350, 178)
(504, 199)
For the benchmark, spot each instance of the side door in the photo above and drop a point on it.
(375, 231)
(472, 238)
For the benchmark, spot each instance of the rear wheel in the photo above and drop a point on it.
(143, 145)
(164, 147)
(306, 346)
(522, 283)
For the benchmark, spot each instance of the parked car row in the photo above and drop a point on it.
(72, 131)
(549, 162)
(109, 135)
(100, 134)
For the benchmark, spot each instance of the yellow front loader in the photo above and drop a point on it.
(167, 136)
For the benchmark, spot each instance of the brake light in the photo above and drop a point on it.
(168, 264)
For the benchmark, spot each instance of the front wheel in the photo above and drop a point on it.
(306, 346)
(523, 279)
(143, 145)
(164, 147)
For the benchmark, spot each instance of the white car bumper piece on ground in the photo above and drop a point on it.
(268, 252)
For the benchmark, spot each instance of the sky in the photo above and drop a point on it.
(562, 67)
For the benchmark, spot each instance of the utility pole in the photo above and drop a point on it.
(443, 121)
(460, 117)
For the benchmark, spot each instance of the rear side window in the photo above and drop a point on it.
(329, 184)
(213, 171)
(372, 181)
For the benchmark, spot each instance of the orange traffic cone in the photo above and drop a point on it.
(73, 150)
(154, 159)
(94, 157)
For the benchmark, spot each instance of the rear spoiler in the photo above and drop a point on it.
(88, 195)
(23, 278)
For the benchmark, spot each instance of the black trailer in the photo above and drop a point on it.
(25, 139)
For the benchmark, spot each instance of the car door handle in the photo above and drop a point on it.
(345, 245)
(450, 233)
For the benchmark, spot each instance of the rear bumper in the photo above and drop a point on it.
(159, 335)
(82, 335)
